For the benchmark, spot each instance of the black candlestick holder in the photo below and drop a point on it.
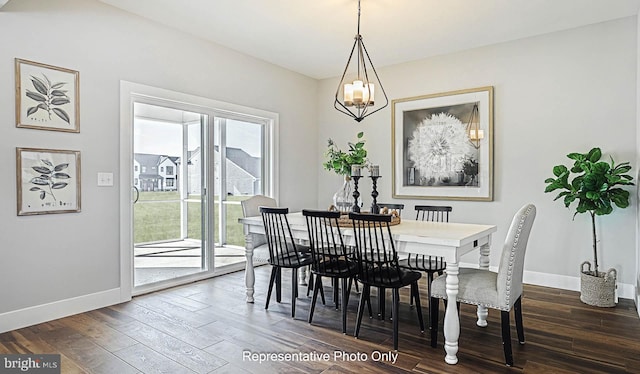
(356, 194)
(375, 209)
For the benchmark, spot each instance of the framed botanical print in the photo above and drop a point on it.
(443, 146)
(48, 181)
(47, 97)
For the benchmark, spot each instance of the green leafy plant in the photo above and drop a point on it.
(340, 161)
(594, 185)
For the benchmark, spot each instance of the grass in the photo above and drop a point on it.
(157, 218)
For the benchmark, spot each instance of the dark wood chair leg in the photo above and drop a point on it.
(517, 308)
(322, 294)
(336, 293)
(364, 296)
(294, 291)
(506, 337)
(272, 280)
(434, 306)
(314, 298)
(416, 295)
(311, 284)
(369, 306)
(349, 291)
(394, 312)
(381, 302)
(279, 285)
(345, 300)
(429, 279)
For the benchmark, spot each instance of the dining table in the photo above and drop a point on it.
(445, 239)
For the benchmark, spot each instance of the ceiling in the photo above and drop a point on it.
(314, 37)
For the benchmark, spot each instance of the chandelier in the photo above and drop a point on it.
(356, 98)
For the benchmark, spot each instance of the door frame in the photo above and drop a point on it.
(131, 92)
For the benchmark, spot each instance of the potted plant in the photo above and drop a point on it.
(595, 186)
(341, 162)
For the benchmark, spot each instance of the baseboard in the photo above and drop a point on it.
(47, 312)
(564, 282)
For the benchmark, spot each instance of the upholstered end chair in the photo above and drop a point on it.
(501, 290)
(251, 208)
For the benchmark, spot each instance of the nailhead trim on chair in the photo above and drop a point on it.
(509, 271)
(512, 256)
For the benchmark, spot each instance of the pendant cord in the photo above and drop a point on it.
(358, 38)
(358, 17)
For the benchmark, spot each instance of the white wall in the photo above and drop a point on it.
(637, 282)
(54, 258)
(554, 94)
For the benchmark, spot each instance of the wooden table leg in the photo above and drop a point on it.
(249, 274)
(483, 312)
(451, 319)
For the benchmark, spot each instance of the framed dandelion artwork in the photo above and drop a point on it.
(48, 181)
(443, 146)
(47, 97)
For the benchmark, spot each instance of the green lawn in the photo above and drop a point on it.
(157, 217)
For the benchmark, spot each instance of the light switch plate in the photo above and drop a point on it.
(105, 179)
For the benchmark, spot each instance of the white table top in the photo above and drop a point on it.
(431, 238)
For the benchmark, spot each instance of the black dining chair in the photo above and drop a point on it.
(429, 264)
(378, 266)
(283, 252)
(381, 292)
(391, 207)
(331, 259)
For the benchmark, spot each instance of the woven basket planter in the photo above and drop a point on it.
(597, 290)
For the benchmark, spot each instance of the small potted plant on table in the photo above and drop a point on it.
(341, 162)
(595, 186)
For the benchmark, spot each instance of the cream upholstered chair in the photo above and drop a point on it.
(251, 208)
(501, 290)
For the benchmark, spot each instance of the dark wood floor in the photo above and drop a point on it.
(206, 326)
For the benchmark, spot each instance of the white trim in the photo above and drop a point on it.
(20, 318)
(129, 92)
(3, 3)
(563, 282)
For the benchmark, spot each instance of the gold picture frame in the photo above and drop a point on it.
(443, 145)
(47, 97)
(48, 181)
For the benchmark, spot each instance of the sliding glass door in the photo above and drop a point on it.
(169, 209)
(191, 168)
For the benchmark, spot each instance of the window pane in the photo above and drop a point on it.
(244, 158)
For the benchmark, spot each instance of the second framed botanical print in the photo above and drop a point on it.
(47, 97)
(443, 146)
(48, 181)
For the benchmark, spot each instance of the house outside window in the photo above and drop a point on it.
(169, 170)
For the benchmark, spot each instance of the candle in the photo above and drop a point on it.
(357, 92)
(369, 94)
(473, 135)
(356, 170)
(374, 170)
(348, 94)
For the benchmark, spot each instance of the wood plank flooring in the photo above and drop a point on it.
(207, 327)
